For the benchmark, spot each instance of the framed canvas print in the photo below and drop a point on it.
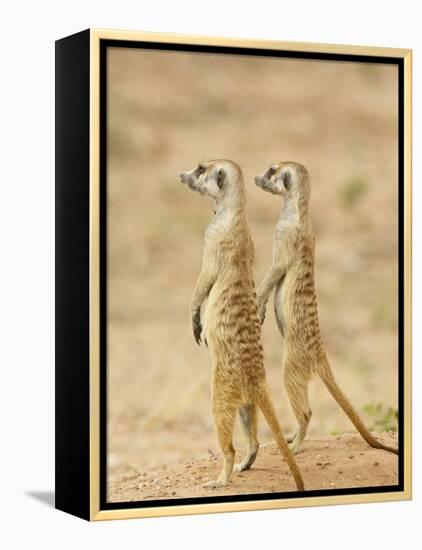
(233, 274)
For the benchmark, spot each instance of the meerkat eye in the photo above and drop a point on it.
(200, 170)
(270, 172)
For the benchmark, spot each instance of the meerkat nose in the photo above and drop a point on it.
(257, 180)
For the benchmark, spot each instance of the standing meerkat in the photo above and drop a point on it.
(230, 323)
(295, 302)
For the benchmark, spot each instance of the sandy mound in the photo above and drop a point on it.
(343, 461)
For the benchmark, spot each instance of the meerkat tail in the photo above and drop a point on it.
(268, 411)
(326, 375)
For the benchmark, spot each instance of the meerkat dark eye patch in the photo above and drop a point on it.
(270, 172)
(221, 176)
(200, 170)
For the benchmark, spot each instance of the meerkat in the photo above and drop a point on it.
(295, 301)
(230, 321)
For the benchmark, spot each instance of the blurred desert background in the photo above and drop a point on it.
(166, 112)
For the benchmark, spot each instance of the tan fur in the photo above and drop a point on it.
(231, 326)
(295, 301)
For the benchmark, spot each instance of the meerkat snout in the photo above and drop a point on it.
(186, 178)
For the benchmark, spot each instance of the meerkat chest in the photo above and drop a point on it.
(221, 220)
(285, 227)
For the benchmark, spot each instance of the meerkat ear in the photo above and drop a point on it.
(221, 176)
(287, 180)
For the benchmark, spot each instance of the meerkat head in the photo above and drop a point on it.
(285, 179)
(215, 178)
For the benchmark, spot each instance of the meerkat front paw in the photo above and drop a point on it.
(197, 327)
(261, 313)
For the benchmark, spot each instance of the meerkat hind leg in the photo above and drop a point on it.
(290, 438)
(297, 391)
(278, 311)
(224, 422)
(248, 421)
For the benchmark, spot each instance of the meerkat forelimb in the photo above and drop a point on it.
(230, 322)
(295, 301)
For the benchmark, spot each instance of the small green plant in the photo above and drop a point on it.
(384, 418)
(352, 191)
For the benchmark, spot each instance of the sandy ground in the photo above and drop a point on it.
(343, 461)
(166, 113)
